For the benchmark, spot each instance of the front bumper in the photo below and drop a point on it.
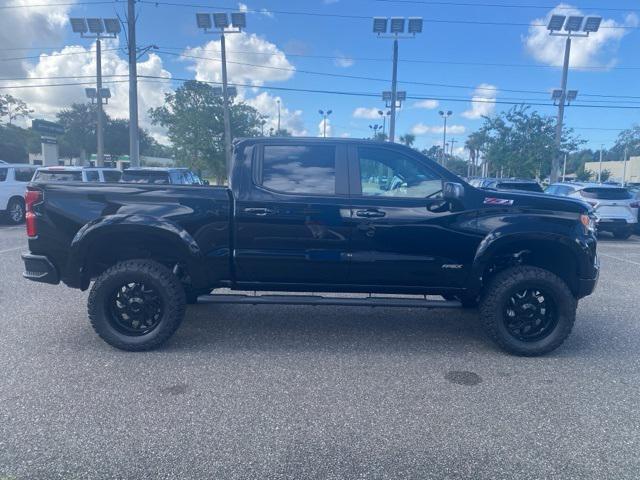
(40, 269)
(586, 286)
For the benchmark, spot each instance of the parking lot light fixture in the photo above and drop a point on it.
(98, 29)
(222, 26)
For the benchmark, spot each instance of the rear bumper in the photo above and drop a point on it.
(39, 269)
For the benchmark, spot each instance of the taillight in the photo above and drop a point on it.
(31, 198)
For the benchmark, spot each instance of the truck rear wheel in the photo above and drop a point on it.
(136, 305)
(527, 310)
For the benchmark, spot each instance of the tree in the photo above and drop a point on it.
(116, 139)
(408, 139)
(583, 175)
(605, 175)
(13, 108)
(79, 122)
(193, 116)
(520, 142)
(13, 144)
(628, 139)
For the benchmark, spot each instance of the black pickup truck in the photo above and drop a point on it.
(316, 215)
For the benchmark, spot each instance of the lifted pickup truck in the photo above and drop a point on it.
(316, 215)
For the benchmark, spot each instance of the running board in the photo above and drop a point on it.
(317, 300)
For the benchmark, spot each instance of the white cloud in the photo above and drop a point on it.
(483, 101)
(243, 68)
(26, 27)
(365, 112)
(321, 127)
(598, 49)
(267, 105)
(428, 104)
(422, 129)
(345, 135)
(81, 61)
(243, 7)
(343, 61)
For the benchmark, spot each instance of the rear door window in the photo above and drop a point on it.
(155, 178)
(23, 174)
(3, 174)
(600, 193)
(92, 176)
(112, 176)
(58, 176)
(304, 169)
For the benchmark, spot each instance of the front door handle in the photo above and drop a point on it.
(259, 212)
(370, 213)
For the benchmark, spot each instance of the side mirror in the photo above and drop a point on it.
(453, 191)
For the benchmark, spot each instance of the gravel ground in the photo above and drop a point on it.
(316, 392)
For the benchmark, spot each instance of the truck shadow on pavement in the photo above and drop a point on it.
(223, 328)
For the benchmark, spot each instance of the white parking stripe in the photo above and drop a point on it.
(13, 249)
(625, 260)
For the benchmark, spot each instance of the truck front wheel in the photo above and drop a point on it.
(527, 310)
(136, 305)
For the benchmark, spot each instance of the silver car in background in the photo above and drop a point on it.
(615, 208)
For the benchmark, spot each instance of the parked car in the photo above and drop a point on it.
(13, 183)
(507, 184)
(162, 176)
(302, 215)
(615, 208)
(78, 174)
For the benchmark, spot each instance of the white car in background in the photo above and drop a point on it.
(77, 174)
(615, 207)
(13, 182)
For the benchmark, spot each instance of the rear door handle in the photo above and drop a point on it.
(370, 213)
(259, 212)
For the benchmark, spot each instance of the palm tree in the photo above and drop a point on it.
(408, 139)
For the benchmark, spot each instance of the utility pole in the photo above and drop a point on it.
(100, 120)
(394, 92)
(278, 102)
(600, 169)
(574, 26)
(134, 141)
(221, 23)
(564, 168)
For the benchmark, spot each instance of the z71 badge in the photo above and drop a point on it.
(497, 201)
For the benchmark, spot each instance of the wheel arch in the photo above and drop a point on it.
(108, 240)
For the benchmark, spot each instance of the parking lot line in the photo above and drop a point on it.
(12, 249)
(618, 258)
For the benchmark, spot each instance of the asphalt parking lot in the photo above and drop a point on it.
(317, 392)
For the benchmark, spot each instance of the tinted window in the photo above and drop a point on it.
(386, 173)
(156, 178)
(176, 178)
(606, 193)
(562, 190)
(522, 186)
(299, 169)
(23, 174)
(92, 176)
(112, 175)
(57, 176)
(3, 174)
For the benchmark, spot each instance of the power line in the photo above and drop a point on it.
(429, 3)
(31, 57)
(367, 17)
(64, 4)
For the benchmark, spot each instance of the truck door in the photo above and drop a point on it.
(292, 225)
(405, 233)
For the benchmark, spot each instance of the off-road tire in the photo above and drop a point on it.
(161, 279)
(497, 293)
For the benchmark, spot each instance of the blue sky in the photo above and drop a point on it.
(297, 43)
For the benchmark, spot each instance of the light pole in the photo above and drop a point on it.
(221, 23)
(574, 27)
(325, 115)
(262, 124)
(624, 168)
(103, 97)
(445, 116)
(384, 120)
(452, 141)
(396, 31)
(278, 102)
(600, 165)
(97, 28)
(375, 128)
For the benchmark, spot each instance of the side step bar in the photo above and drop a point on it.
(315, 301)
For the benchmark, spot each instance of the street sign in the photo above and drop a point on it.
(50, 128)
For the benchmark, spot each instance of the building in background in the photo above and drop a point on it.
(617, 169)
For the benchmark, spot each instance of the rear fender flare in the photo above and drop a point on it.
(123, 225)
